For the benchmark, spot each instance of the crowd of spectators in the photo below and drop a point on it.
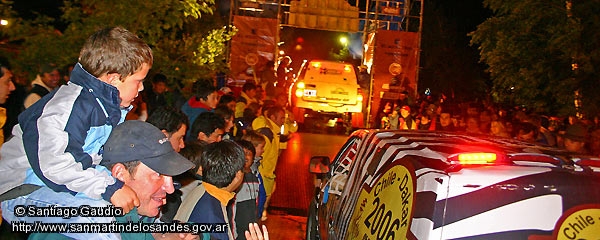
(482, 117)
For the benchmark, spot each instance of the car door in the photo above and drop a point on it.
(329, 214)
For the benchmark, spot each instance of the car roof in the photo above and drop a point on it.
(444, 146)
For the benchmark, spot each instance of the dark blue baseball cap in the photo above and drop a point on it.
(137, 140)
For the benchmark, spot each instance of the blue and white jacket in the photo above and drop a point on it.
(58, 140)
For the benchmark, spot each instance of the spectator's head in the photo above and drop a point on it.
(208, 127)
(172, 122)
(405, 111)
(6, 83)
(250, 89)
(220, 162)
(276, 114)
(266, 105)
(140, 155)
(249, 153)
(193, 152)
(424, 118)
(497, 128)
(227, 100)
(258, 141)
(206, 93)
(527, 132)
(50, 75)
(575, 137)
(159, 83)
(227, 115)
(472, 124)
(252, 111)
(445, 119)
(119, 58)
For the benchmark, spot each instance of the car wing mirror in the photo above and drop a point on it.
(319, 164)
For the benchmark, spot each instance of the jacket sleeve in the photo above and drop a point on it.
(63, 155)
(262, 197)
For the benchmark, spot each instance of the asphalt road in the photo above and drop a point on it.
(289, 204)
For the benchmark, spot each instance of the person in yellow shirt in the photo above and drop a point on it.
(269, 124)
(289, 126)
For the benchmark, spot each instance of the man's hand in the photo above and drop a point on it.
(254, 233)
(125, 198)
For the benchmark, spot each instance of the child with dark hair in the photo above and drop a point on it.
(173, 122)
(228, 100)
(220, 165)
(258, 142)
(208, 127)
(227, 115)
(246, 198)
(205, 99)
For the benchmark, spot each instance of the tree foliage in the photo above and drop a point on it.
(188, 41)
(540, 52)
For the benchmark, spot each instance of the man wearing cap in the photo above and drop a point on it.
(43, 84)
(141, 156)
(575, 137)
(406, 120)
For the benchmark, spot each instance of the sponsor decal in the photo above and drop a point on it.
(580, 224)
(384, 209)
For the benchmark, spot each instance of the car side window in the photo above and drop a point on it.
(341, 166)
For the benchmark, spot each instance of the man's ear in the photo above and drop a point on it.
(201, 136)
(119, 171)
(165, 132)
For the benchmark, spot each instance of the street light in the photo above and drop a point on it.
(344, 40)
(3, 22)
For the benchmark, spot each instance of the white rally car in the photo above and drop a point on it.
(327, 86)
(435, 185)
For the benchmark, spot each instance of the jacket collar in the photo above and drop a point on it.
(198, 104)
(106, 93)
(222, 195)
